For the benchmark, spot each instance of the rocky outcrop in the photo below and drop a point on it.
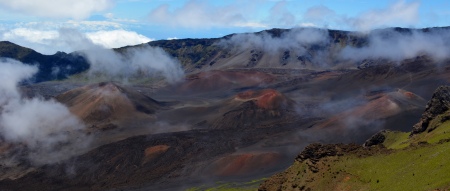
(314, 152)
(376, 139)
(439, 104)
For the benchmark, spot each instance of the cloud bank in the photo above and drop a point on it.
(400, 13)
(297, 38)
(42, 125)
(395, 45)
(142, 61)
(202, 14)
(79, 9)
(48, 41)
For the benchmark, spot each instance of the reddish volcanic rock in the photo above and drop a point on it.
(101, 105)
(244, 164)
(265, 99)
(4, 147)
(257, 109)
(151, 153)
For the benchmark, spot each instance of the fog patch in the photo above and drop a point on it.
(42, 126)
(130, 63)
(398, 45)
(297, 38)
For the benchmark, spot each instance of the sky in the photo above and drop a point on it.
(40, 24)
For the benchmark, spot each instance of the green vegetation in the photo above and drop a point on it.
(419, 162)
(234, 186)
(400, 140)
(396, 140)
(440, 131)
(422, 168)
(11, 50)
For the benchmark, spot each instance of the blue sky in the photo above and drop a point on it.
(115, 23)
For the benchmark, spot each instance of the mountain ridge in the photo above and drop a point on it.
(51, 67)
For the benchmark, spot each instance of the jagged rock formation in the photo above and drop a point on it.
(316, 151)
(376, 139)
(439, 104)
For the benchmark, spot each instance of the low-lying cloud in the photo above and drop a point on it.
(139, 61)
(298, 38)
(41, 125)
(396, 45)
(47, 41)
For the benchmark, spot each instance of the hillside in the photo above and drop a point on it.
(387, 161)
(240, 115)
(51, 67)
(105, 105)
(318, 49)
(274, 48)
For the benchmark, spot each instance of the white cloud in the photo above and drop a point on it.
(91, 25)
(30, 35)
(133, 62)
(49, 42)
(307, 25)
(400, 12)
(117, 38)
(111, 17)
(202, 14)
(318, 13)
(39, 124)
(280, 16)
(80, 25)
(394, 45)
(78, 9)
(297, 39)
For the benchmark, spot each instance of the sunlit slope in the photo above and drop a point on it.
(387, 161)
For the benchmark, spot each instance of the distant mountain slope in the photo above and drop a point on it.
(197, 54)
(317, 48)
(387, 161)
(51, 67)
(262, 49)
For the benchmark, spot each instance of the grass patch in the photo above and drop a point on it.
(230, 186)
(401, 140)
(439, 133)
(410, 165)
(396, 140)
(424, 168)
